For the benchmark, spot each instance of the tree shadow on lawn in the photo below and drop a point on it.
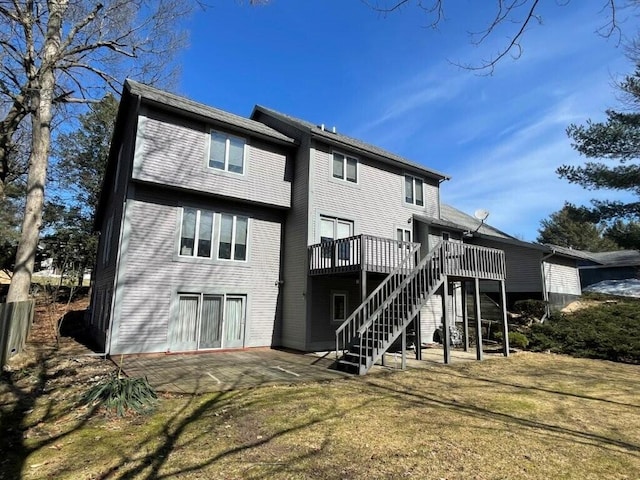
(158, 448)
(24, 416)
(495, 381)
(418, 397)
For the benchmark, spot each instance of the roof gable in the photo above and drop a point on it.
(339, 139)
(170, 101)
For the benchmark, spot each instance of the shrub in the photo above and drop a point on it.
(605, 331)
(516, 339)
(530, 308)
(122, 394)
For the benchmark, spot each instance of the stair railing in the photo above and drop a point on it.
(346, 332)
(401, 306)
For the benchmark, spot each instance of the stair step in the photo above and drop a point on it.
(351, 367)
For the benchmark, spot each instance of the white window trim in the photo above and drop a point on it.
(413, 182)
(233, 239)
(226, 153)
(199, 294)
(334, 295)
(405, 230)
(344, 168)
(197, 233)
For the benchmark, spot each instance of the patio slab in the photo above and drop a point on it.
(222, 371)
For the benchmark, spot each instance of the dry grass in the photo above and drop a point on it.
(529, 416)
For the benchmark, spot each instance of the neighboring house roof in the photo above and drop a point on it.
(170, 101)
(339, 139)
(572, 252)
(617, 258)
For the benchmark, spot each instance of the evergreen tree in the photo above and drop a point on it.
(568, 228)
(625, 234)
(618, 140)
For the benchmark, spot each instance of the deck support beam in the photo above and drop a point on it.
(505, 324)
(476, 304)
(404, 349)
(446, 334)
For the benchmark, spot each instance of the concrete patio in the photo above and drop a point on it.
(221, 371)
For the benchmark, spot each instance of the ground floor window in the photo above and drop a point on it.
(339, 306)
(207, 321)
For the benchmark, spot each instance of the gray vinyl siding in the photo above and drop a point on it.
(375, 204)
(174, 152)
(296, 289)
(105, 270)
(430, 318)
(322, 327)
(295, 262)
(152, 275)
(523, 267)
(562, 276)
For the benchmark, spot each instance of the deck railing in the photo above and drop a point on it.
(360, 252)
(473, 261)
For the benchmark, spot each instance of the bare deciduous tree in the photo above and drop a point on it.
(61, 52)
(513, 15)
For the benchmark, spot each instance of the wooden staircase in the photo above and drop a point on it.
(385, 314)
(364, 337)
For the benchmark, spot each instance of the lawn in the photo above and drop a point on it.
(532, 415)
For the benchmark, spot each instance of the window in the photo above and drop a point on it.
(226, 152)
(233, 237)
(413, 190)
(446, 236)
(205, 321)
(196, 233)
(403, 235)
(345, 168)
(339, 306)
(333, 229)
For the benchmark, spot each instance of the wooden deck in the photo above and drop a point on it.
(383, 255)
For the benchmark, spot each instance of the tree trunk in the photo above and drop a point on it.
(42, 99)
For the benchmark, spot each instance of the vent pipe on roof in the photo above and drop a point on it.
(333, 129)
(322, 127)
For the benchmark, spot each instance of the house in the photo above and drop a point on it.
(219, 232)
(616, 265)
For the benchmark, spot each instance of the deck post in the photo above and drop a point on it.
(446, 334)
(465, 315)
(505, 324)
(404, 349)
(417, 337)
(476, 303)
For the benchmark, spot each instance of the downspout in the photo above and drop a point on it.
(545, 293)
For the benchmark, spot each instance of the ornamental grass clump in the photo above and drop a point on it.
(122, 394)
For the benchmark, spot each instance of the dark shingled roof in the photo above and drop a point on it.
(467, 222)
(340, 139)
(618, 258)
(209, 113)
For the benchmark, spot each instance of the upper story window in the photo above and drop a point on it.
(345, 168)
(233, 237)
(413, 190)
(226, 152)
(196, 233)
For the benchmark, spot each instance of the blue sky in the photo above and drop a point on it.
(390, 81)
